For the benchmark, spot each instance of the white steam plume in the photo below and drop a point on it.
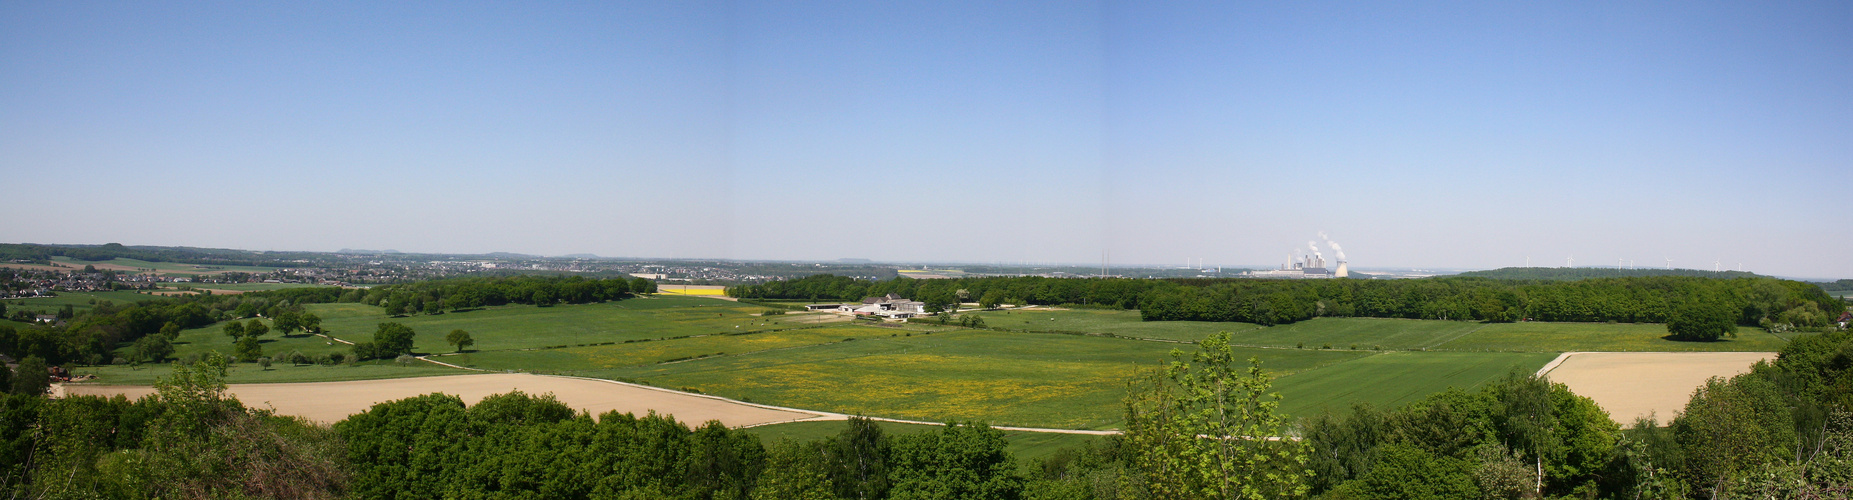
(1336, 250)
(1315, 247)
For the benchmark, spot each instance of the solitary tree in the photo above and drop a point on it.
(248, 349)
(255, 328)
(153, 348)
(311, 322)
(459, 338)
(392, 339)
(1702, 320)
(288, 322)
(234, 330)
(1204, 428)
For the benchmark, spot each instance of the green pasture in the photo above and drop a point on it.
(1114, 321)
(251, 373)
(165, 267)
(1026, 446)
(1365, 333)
(213, 338)
(527, 327)
(658, 351)
(79, 301)
(1003, 378)
(1567, 337)
(1394, 378)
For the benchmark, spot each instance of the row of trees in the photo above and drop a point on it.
(436, 296)
(1747, 301)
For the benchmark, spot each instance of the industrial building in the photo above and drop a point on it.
(1308, 266)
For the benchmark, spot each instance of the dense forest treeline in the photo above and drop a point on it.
(94, 336)
(1751, 301)
(1583, 273)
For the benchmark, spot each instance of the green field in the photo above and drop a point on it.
(250, 373)
(1567, 337)
(166, 268)
(526, 327)
(1047, 377)
(1042, 380)
(1026, 446)
(1113, 321)
(1394, 378)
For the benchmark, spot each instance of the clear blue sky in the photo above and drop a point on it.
(1456, 135)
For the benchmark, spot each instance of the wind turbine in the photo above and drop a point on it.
(1714, 266)
(1669, 263)
(1570, 261)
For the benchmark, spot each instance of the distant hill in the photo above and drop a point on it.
(359, 251)
(1583, 273)
(586, 256)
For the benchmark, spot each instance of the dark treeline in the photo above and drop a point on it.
(1751, 301)
(1583, 273)
(436, 296)
(92, 337)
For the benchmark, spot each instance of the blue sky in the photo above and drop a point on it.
(1448, 135)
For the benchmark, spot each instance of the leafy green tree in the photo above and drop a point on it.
(642, 286)
(153, 348)
(32, 378)
(287, 322)
(1207, 429)
(991, 299)
(956, 462)
(459, 338)
(171, 330)
(392, 339)
(794, 471)
(311, 322)
(1702, 320)
(1409, 472)
(255, 328)
(858, 460)
(248, 349)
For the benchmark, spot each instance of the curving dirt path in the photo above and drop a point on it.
(1630, 385)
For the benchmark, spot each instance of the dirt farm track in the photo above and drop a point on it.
(1639, 384)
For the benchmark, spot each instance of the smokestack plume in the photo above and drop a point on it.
(1336, 250)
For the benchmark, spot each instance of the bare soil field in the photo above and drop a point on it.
(1630, 385)
(327, 402)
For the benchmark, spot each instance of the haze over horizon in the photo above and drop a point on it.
(1416, 135)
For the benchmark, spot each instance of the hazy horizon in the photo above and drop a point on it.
(1441, 136)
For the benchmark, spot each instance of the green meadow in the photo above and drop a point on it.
(79, 301)
(1049, 368)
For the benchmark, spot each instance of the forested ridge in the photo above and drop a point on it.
(1651, 299)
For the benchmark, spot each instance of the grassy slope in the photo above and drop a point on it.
(523, 326)
(79, 301)
(1565, 337)
(1394, 378)
(1117, 322)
